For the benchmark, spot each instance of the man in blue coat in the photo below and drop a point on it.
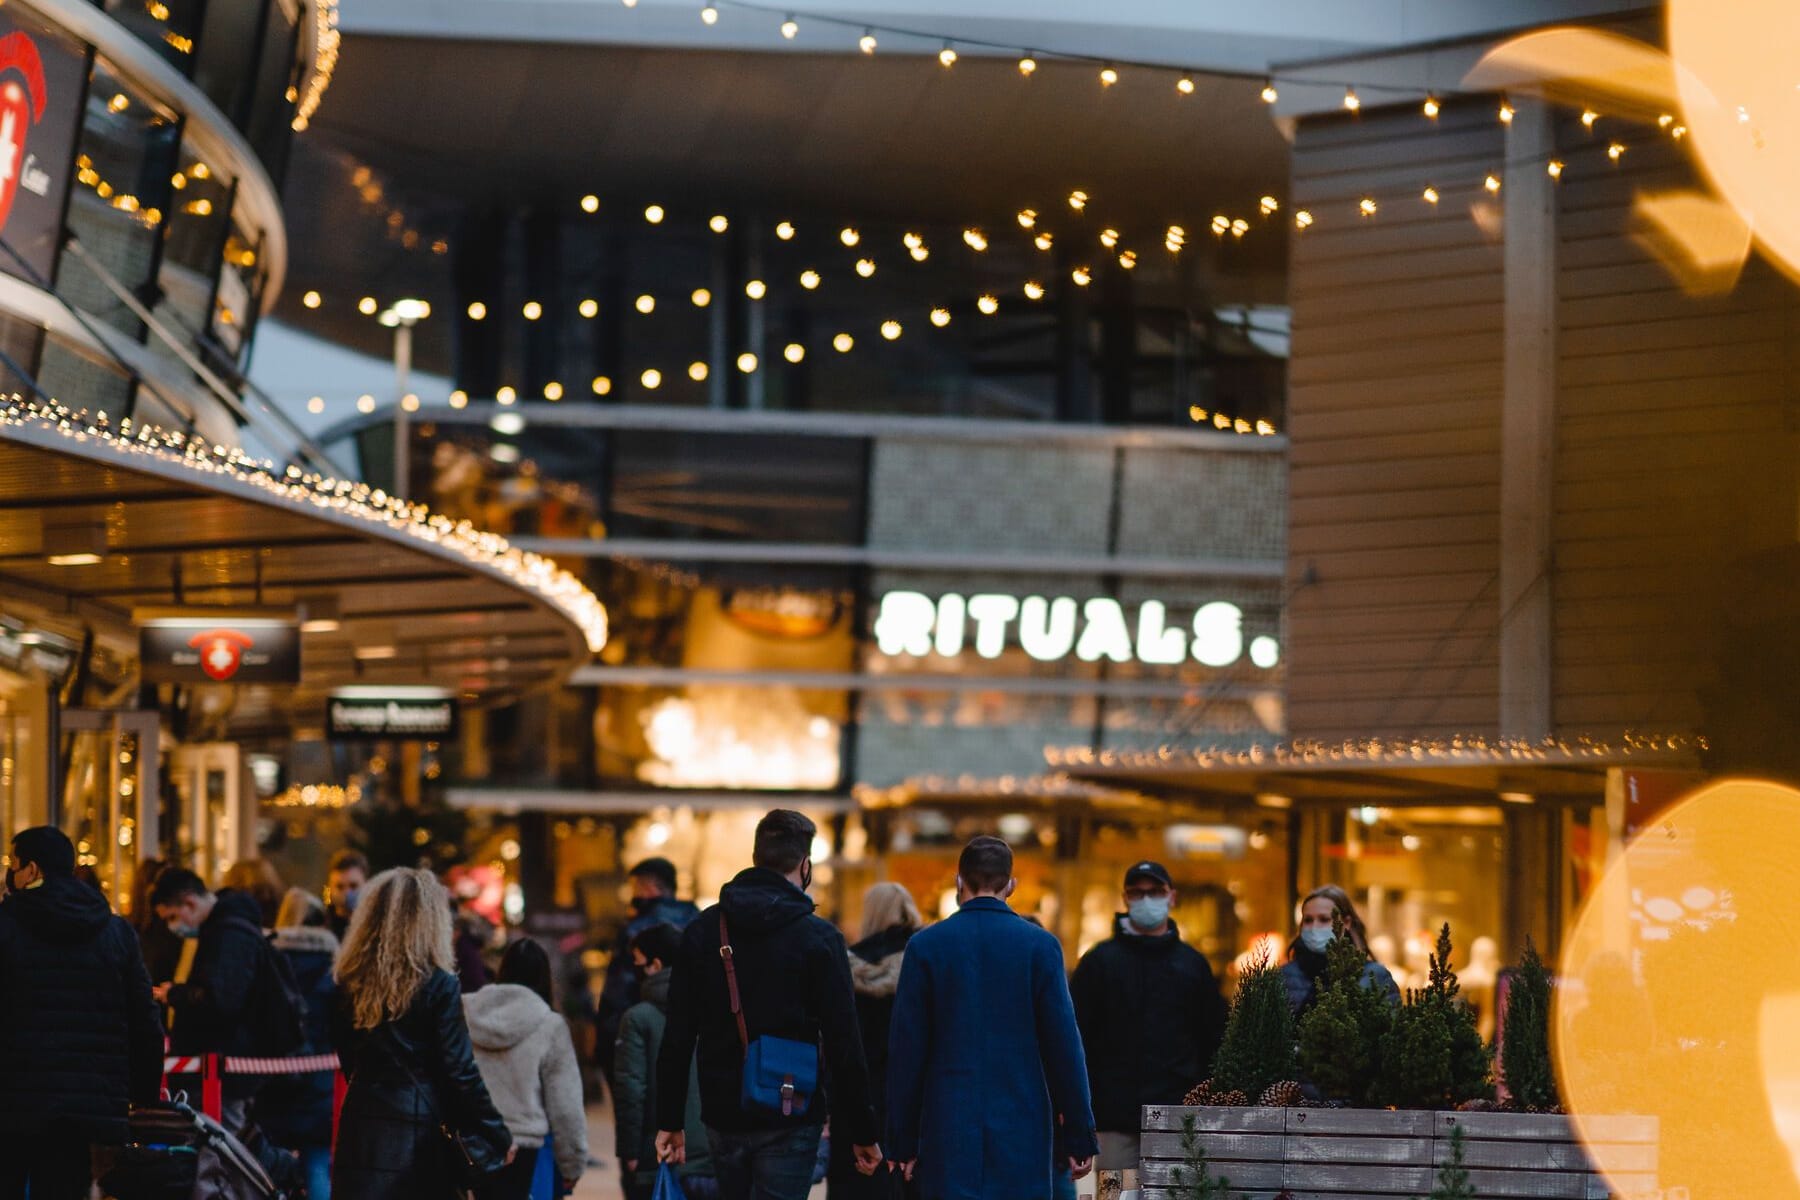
(987, 1081)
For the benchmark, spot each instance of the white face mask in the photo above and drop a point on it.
(1149, 912)
(1316, 938)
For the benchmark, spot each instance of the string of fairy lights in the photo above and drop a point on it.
(347, 498)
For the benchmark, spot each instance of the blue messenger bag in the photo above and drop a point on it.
(780, 1074)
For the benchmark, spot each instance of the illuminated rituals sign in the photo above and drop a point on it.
(1051, 629)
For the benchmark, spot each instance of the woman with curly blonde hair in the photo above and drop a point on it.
(415, 1092)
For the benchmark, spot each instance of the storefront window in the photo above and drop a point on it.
(717, 736)
(168, 27)
(239, 297)
(268, 124)
(126, 157)
(226, 60)
(194, 247)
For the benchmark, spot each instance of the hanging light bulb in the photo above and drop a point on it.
(651, 378)
(1082, 276)
(1028, 218)
(1507, 111)
(912, 241)
(1185, 85)
(1588, 117)
(719, 223)
(809, 279)
(589, 309)
(1109, 238)
(646, 304)
(1269, 205)
(1352, 101)
(477, 311)
(785, 231)
(1367, 207)
(533, 310)
(1616, 151)
(891, 330)
(1078, 200)
(710, 15)
(701, 297)
(1269, 94)
(947, 56)
(1554, 168)
(1431, 195)
(654, 214)
(1044, 240)
(698, 371)
(865, 267)
(1221, 225)
(1302, 218)
(1027, 64)
(1128, 259)
(988, 304)
(919, 253)
(756, 289)
(553, 390)
(1109, 75)
(1239, 227)
(794, 352)
(590, 203)
(940, 317)
(867, 42)
(790, 28)
(1034, 290)
(843, 343)
(602, 385)
(1432, 107)
(746, 362)
(506, 395)
(1491, 183)
(849, 236)
(976, 240)
(367, 306)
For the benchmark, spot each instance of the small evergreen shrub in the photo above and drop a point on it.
(1433, 1056)
(1525, 1056)
(1194, 1180)
(1453, 1178)
(1340, 1035)
(1258, 1048)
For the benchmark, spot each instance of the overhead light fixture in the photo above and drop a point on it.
(867, 42)
(320, 614)
(74, 545)
(507, 424)
(790, 28)
(376, 653)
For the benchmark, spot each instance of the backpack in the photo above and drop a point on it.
(276, 1012)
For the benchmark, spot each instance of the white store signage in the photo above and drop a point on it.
(1048, 629)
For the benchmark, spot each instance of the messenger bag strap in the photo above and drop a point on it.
(731, 983)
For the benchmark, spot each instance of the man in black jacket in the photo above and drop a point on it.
(211, 1010)
(1150, 1014)
(793, 979)
(79, 1038)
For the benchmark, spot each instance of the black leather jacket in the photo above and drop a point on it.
(408, 1077)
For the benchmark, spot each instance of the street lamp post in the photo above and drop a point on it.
(401, 317)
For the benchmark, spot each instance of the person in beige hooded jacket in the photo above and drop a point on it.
(527, 1060)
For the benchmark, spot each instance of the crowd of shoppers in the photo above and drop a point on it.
(753, 1051)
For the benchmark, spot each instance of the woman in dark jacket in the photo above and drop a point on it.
(399, 1030)
(890, 918)
(295, 1110)
(1326, 909)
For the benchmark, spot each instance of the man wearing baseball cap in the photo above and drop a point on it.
(1150, 1014)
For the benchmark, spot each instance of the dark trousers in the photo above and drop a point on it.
(765, 1166)
(513, 1181)
(56, 1165)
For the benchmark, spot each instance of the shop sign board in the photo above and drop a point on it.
(219, 649)
(401, 714)
(43, 85)
(1053, 629)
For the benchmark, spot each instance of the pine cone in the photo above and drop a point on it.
(1231, 1099)
(1286, 1094)
(1200, 1095)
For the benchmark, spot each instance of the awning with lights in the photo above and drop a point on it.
(97, 523)
(1469, 770)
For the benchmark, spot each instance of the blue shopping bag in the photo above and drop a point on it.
(667, 1186)
(544, 1183)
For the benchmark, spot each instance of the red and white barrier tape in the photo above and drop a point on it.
(299, 1065)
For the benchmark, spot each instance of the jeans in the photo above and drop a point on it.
(57, 1165)
(316, 1166)
(772, 1165)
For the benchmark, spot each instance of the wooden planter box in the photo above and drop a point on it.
(1377, 1154)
